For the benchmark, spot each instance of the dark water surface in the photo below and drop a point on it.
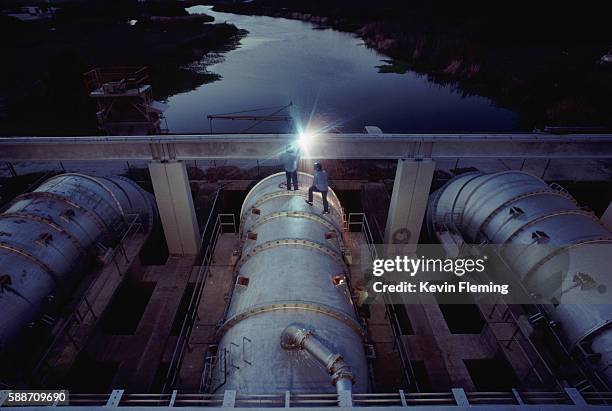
(329, 74)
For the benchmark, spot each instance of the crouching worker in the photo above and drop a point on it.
(290, 163)
(320, 185)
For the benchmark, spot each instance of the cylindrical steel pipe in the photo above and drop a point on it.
(516, 208)
(291, 271)
(48, 236)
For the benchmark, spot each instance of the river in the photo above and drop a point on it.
(331, 78)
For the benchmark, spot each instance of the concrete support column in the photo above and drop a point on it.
(606, 218)
(409, 201)
(175, 204)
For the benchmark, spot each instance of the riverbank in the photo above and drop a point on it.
(525, 59)
(43, 62)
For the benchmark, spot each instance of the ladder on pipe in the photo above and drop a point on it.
(214, 362)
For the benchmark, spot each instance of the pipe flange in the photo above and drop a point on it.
(294, 242)
(49, 222)
(331, 362)
(514, 199)
(297, 214)
(293, 305)
(100, 184)
(103, 225)
(342, 375)
(282, 193)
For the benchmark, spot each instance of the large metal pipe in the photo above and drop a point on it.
(48, 236)
(514, 207)
(291, 271)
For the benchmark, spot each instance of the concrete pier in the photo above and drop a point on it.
(408, 201)
(175, 204)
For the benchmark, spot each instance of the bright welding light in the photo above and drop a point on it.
(304, 139)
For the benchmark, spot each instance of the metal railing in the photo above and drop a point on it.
(590, 375)
(215, 225)
(592, 380)
(212, 360)
(287, 399)
(526, 345)
(537, 364)
(134, 76)
(360, 220)
(134, 225)
(83, 307)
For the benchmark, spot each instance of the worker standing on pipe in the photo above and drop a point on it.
(290, 161)
(320, 185)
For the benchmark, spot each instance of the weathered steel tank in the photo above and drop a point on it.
(546, 230)
(49, 236)
(291, 324)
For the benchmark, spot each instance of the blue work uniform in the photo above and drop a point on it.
(320, 184)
